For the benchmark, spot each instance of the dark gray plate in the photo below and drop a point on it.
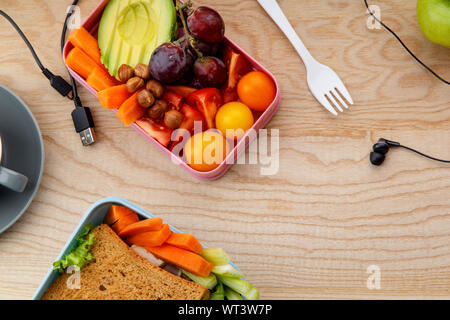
(23, 151)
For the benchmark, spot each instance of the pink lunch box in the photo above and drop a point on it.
(261, 118)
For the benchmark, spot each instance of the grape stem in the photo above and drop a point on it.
(180, 41)
(190, 39)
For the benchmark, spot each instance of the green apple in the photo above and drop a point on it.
(434, 20)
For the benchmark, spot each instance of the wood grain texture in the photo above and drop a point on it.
(309, 231)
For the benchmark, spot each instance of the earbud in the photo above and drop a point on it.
(377, 158)
(381, 148)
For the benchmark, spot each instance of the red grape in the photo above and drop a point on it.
(206, 25)
(210, 72)
(208, 49)
(170, 63)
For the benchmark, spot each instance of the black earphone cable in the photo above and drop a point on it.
(404, 46)
(57, 82)
(24, 38)
(423, 154)
(381, 148)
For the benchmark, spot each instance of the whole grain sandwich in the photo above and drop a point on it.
(117, 272)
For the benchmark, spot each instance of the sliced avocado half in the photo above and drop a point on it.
(130, 30)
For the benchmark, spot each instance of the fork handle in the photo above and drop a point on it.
(274, 11)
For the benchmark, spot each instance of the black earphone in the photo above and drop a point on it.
(381, 148)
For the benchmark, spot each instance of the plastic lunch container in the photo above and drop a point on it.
(95, 216)
(261, 119)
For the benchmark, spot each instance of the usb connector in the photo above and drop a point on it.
(84, 123)
(87, 136)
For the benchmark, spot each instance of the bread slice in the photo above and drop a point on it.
(118, 273)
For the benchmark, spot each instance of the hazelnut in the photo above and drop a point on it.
(134, 84)
(156, 88)
(146, 99)
(173, 119)
(158, 110)
(125, 73)
(142, 71)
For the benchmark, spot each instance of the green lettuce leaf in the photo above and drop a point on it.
(80, 255)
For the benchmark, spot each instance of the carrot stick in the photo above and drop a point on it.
(112, 98)
(151, 238)
(82, 39)
(185, 241)
(124, 222)
(119, 217)
(147, 225)
(184, 259)
(130, 111)
(80, 62)
(99, 79)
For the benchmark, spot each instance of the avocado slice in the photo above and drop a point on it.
(130, 30)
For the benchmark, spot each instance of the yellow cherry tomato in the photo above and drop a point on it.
(205, 151)
(234, 119)
(257, 90)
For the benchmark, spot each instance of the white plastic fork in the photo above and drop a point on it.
(324, 83)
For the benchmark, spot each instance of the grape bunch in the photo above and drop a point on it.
(194, 57)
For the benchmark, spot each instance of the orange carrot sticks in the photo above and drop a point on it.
(151, 238)
(184, 259)
(119, 217)
(112, 98)
(80, 62)
(99, 79)
(130, 111)
(147, 225)
(82, 39)
(185, 241)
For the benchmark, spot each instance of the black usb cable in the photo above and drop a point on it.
(81, 116)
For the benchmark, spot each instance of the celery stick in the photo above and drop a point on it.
(228, 270)
(253, 294)
(218, 257)
(238, 285)
(231, 294)
(209, 282)
(219, 294)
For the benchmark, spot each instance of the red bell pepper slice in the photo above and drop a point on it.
(157, 130)
(174, 99)
(183, 91)
(238, 66)
(207, 101)
(190, 117)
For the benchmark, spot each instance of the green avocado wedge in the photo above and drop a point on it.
(130, 30)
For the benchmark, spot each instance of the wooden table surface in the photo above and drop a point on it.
(311, 230)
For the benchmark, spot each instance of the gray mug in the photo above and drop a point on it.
(10, 179)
